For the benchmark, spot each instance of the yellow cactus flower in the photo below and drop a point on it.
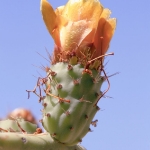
(82, 28)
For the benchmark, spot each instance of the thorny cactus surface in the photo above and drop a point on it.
(82, 30)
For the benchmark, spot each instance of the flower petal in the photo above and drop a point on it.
(104, 33)
(83, 10)
(59, 10)
(53, 21)
(49, 16)
(73, 34)
(109, 30)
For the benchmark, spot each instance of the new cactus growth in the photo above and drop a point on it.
(82, 30)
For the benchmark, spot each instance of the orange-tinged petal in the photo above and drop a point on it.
(49, 16)
(83, 10)
(104, 33)
(108, 32)
(73, 34)
(52, 21)
(106, 13)
(59, 10)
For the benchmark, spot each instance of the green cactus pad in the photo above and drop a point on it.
(71, 99)
(43, 141)
(12, 126)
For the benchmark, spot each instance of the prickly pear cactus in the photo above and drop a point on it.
(74, 79)
(82, 30)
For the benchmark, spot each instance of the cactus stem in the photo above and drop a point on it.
(43, 141)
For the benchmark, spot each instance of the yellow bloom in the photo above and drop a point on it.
(81, 26)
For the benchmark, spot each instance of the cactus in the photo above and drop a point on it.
(75, 76)
(18, 134)
(73, 80)
(18, 125)
(17, 141)
(67, 117)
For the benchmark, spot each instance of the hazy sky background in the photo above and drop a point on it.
(124, 120)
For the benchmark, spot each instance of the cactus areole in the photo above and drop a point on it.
(82, 30)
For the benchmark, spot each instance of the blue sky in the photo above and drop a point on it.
(124, 120)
